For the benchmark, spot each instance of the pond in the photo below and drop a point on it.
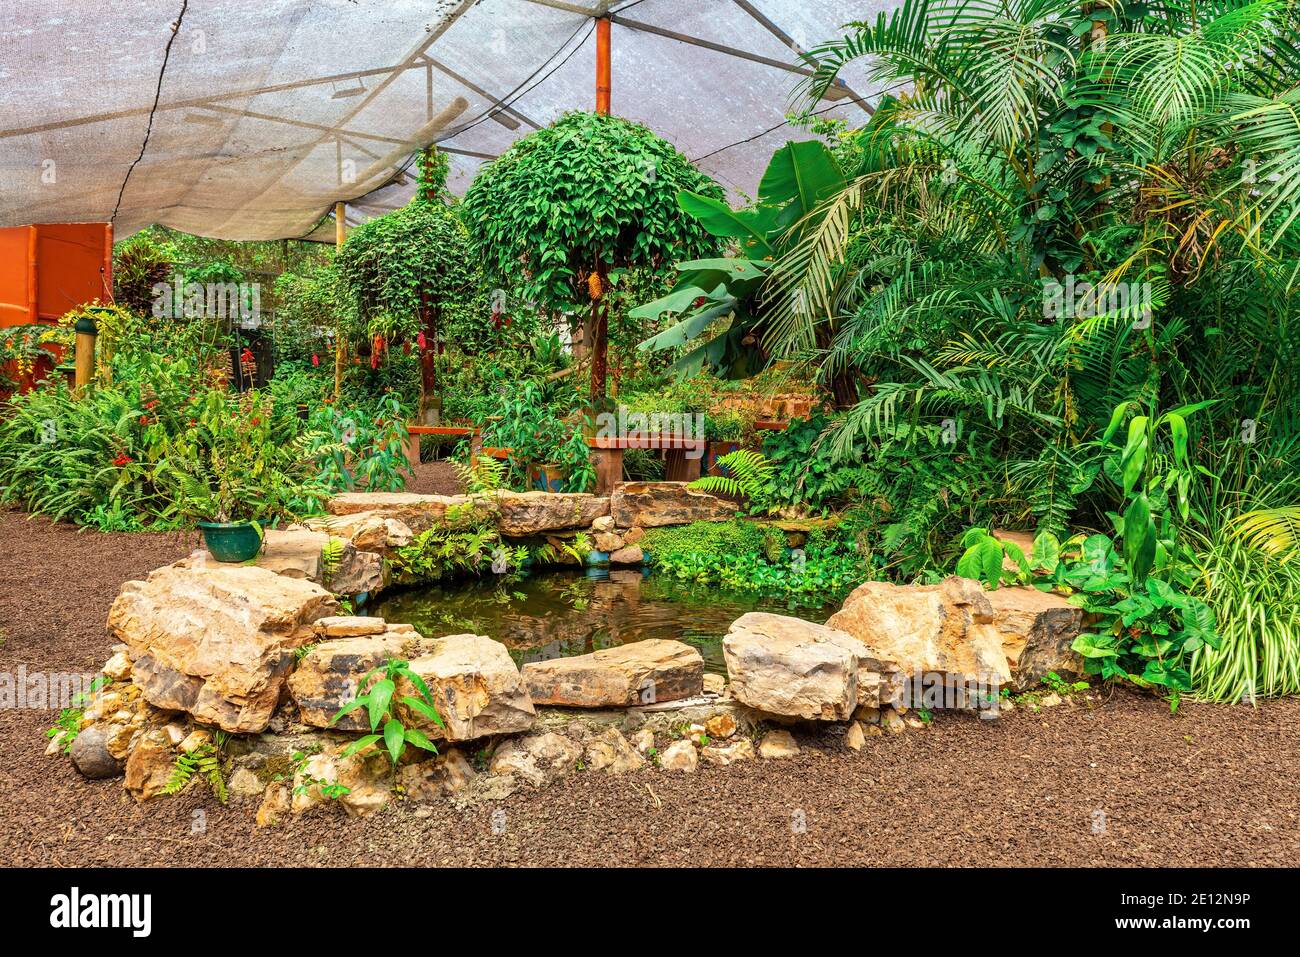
(558, 613)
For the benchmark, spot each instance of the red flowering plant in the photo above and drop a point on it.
(239, 462)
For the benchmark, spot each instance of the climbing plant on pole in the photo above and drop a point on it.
(553, 214)
(398, 272)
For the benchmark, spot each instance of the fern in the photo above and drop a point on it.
(748, 474)
(205, 762)
(331, 554)
(484, 474)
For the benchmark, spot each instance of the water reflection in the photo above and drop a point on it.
(557, 613)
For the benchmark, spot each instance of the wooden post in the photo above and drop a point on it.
(107, 269)
(599, 321)
(340, 234)
(87, 332)
(602, 65)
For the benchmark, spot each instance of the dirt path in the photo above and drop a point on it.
(1213, 786)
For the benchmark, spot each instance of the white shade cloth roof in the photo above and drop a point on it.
(253, 117)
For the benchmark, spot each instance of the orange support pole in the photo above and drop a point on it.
(33, 237)
(602, 65)
(597, 324)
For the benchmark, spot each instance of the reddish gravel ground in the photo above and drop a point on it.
(1213, 786)
(434, 478)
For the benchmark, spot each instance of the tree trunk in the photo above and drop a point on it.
(599, 325)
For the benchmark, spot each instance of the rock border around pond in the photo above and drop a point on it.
(261, 658)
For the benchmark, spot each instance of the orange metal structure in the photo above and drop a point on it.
(47, 270)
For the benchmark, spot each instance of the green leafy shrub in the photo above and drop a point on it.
(394, 268)
(588, 190)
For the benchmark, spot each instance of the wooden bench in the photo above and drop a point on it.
(606, 452)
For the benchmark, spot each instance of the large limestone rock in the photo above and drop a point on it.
(642, 672)
(328, 676)
(216, 641)
(945, 630)
(149, 767)
(1037, 629)
(534, 513)
(475, 685)
(298, 553)
(655, 504)
(794, 668)
(294, 553)
(357, 573)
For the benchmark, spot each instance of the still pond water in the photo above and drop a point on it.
(558, 613)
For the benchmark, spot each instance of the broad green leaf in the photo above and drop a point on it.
(1094, 646)
(1178, 430)
(748, 225)
(358, 744)
(394, 738)
(805, 173)
(417, 737)
(1139, 538)
(379, 696)
(1046, 552)
(350, 706)
(1116, 418)
(424, 708)
(1133, 461)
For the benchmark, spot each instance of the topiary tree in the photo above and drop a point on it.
(564, 205)
(400, 271)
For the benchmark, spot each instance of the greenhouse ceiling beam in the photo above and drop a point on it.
(472, 153)
(505, 108)
(198, 102)
(413, 60)
(303, 124)
(838, 91)
(599, 10)
(767, 24)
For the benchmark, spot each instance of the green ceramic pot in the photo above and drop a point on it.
(232, 541)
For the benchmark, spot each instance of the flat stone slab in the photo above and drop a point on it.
(533, 513)
(640, 673)
(349, 626)
(656, 504)
(349, 503)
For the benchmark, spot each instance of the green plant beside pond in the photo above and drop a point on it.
(745, 556)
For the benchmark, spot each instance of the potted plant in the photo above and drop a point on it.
(725, 431)
(549, 452)
(228, 474)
